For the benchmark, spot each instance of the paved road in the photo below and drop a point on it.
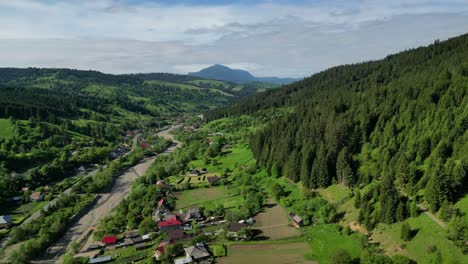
(106, 202)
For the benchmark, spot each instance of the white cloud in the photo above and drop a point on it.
(266, 38)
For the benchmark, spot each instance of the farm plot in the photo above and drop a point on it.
(267, 253)
(273, 222)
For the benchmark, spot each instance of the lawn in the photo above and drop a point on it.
(23, 211)
(6, 128)
(335, 194)
(273, 222)
(325, 239)
(236, 156)
(462, 204)
(207, 197)
(267, 253)
(427, 234)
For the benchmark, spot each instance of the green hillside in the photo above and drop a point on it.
(394, 131)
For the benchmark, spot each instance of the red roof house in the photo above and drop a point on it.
(169, 224)
(109, 240)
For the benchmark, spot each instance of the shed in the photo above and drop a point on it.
(109, 240)
(104, 259)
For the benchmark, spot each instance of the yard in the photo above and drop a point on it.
(21, 212)
(6, 128)
(267, 253)
(207, 197)
(236, 156)
(273, 222)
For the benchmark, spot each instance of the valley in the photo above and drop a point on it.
(362, 163)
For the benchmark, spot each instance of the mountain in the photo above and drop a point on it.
(395, 129)
(221, 72)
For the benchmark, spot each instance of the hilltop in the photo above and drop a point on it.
(221, 72)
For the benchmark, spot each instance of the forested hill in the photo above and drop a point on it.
(400, 123)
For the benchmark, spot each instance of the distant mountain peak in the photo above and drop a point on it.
(224, 73)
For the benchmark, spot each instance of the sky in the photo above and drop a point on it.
(293, 38)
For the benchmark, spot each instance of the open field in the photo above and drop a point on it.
(273, 222)
(267, 253)
(235, 156)
(462, 205)
(207, 196)
(6, 128)
(325, 239)
(426, 234)
(335, 194)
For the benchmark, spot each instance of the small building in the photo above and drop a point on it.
(159, 251)
(175, 234)
(213, 180)
(93, 247)
(5, 221)
(103, 259)
(163, 185)
(227, 146)
(36, 196)
(296, 220)
(234, 229)
(194, 173)
(203, 171)
(197, 252)
(109, 240)
(131, 234)
(141, 246)
(193, 214)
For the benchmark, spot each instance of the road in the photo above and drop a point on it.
(106, 202)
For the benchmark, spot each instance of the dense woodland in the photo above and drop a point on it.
(399, 125)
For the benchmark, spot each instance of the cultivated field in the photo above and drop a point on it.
(273, 222)
(267, 253)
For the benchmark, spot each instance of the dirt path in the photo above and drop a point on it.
(106, 202)
(432, 217)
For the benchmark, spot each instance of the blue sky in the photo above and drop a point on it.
(280, 38)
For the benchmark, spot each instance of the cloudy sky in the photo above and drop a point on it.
(268, 38)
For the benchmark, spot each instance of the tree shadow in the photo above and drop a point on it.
(413, 233)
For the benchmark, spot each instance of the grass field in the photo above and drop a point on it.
(325, 239)
(428, 234)
(21, 212)
(462, 205)
(273, 222)
(6, 128)
(335, 194)
(207, 197)
(237, 156)
(267, 253)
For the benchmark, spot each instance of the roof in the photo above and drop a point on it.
(130, 234)
(212, 178)
(197, 252)
(183, 260)
(161, 202)
(235, 227)
(176, 233)
(109, 239)
(170, 222)
(5, 219)
(140, 245)
(295, 217)
(100, 259)
(35, 195)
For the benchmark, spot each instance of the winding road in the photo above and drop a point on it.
(80, 230)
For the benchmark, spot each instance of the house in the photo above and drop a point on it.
(297, 220)
(169, 224)
(109, 240)
(203, 171)
(197, 252)
(234, 229)
(104, 259)
(163, 185)
(194, 173)
(5, 221)
(193, 214)
(175, 234)
(36, 196)
(213, 180)
(131, 234)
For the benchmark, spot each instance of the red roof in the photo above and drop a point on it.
(161, 202)
(109, 239)
(170, 222)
